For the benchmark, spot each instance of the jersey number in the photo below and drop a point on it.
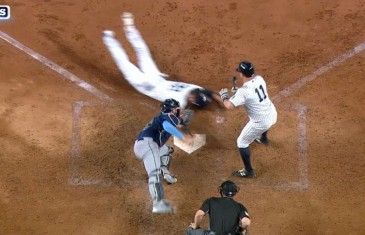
(261, 98)
(178, 87)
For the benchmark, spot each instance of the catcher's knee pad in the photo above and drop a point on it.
(155, 176)
(166, 160)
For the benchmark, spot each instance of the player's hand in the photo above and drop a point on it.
(186, 115)
(224, 94)
(192, 225)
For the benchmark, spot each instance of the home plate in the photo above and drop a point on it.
(199, 141)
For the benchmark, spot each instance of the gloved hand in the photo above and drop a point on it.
(224, 94)
(186, 116)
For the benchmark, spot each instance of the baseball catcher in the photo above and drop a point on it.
(151, 148)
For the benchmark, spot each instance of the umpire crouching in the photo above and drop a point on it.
(226, 216)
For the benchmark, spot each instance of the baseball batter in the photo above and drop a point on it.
(151, 147)
(147, 79)
(253, 96)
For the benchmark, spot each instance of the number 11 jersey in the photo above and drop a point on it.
(254, 98)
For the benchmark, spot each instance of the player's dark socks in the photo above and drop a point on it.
(264, 135)
(245, 156)
(263, 139)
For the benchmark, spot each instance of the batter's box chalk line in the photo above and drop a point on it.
(76, 177)
(75, 151)
(302, 156)
(55, 67)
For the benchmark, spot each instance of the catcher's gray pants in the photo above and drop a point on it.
(151, 154)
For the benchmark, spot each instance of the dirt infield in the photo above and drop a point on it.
(67, 162)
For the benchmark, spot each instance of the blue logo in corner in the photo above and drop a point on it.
(4, 12)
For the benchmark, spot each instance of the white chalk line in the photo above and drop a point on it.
(303, 182)
(68, 75)
(301, 112)
(303, 81)
(284, 93)
(76, 179)
(302, 145)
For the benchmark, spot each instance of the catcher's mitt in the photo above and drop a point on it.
(186, 116)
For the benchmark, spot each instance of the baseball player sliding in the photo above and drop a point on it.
(261, 111)
(147, 79)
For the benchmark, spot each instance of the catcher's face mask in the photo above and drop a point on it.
(176, 111)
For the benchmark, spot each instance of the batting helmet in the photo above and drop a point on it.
(168, 105)
(246, 68)
(228, 188)
(201, 99)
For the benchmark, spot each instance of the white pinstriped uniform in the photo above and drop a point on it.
(261, 111)
(147, 79)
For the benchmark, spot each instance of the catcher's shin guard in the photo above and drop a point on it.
(154, 185)
(158, 190)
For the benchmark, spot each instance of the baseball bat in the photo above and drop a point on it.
(234, 82)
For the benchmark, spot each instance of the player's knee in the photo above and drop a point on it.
(155, 176)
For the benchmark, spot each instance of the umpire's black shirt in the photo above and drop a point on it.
(224, 214)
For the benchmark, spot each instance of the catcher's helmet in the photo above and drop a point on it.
(228, 188)
(246, 68)
(168, 105)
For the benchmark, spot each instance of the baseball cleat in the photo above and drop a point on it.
(244, 174)
(171, 179)
(162, 206)
(127, 18)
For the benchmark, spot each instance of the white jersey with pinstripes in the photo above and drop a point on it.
(147, 78)
(254, 98)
